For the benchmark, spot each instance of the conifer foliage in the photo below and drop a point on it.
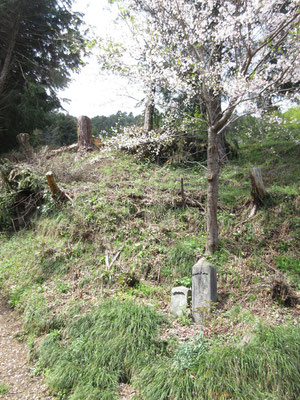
(40, 44)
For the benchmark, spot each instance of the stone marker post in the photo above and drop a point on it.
(180, 300)
(204, 288)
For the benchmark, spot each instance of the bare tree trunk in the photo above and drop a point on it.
(212, 191)
(149, 112)
(9, 54)
(23, 139)
(84, 131)
(216, 120)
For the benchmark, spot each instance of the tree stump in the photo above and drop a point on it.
(23, 139)
(84, 131)
(56, 192)
(258, 191)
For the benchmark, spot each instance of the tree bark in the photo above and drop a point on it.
(258, 191)
(85, 142)
(149, 112)
(56, 192)
(9, 54)
(222, 148)
(212, 191)
(216, 120)
(23, 139)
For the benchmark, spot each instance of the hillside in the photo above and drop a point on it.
(92, 279)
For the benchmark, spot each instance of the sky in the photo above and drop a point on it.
(93, 92)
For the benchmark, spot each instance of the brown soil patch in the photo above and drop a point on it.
(15, 368)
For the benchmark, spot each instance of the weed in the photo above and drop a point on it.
(4, 389)
(188, 355)
(184, 281)
(36, 314)
(63, 287)
(185, 318)
(291, 265)
(182, 257)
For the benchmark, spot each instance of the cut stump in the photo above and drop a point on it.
(258, 190)
(23, 139)
(84, 131)
(57, 193)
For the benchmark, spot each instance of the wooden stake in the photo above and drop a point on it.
(182, 191)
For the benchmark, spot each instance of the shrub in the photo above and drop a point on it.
(20, 195)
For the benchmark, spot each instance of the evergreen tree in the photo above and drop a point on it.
(40, 44)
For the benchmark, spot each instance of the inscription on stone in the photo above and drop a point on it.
(180, 300)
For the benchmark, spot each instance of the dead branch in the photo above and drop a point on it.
(63, 149)
(108, 263)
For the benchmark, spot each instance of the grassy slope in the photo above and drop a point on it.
(128, 237)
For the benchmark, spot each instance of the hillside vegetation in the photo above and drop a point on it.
(92, 279)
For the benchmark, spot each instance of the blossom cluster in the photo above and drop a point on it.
(238, 50)
(144, 144)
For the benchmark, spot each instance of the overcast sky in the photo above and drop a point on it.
(92, 92)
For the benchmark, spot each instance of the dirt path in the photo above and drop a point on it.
(15, 368)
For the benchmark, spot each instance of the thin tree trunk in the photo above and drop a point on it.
(149, 112)
(9, 55)
(221, 140)
(212, 191)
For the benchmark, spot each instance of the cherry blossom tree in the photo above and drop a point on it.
(230, 53)
(130, 56)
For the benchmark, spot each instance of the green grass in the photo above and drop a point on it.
(265, 368)
(60, 274)
(181, 257)
(4, 389)
(99, 350)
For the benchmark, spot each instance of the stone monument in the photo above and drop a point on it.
(204, 289)
(180, 300)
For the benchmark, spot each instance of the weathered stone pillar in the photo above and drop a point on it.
(23, 139)
(204, 289)
(84, 131)
(180, 299)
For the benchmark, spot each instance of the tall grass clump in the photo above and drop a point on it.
(265, 368)
(100, 350)
(182, 256)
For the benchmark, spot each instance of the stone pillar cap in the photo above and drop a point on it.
(202, 266)
(179, 289)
